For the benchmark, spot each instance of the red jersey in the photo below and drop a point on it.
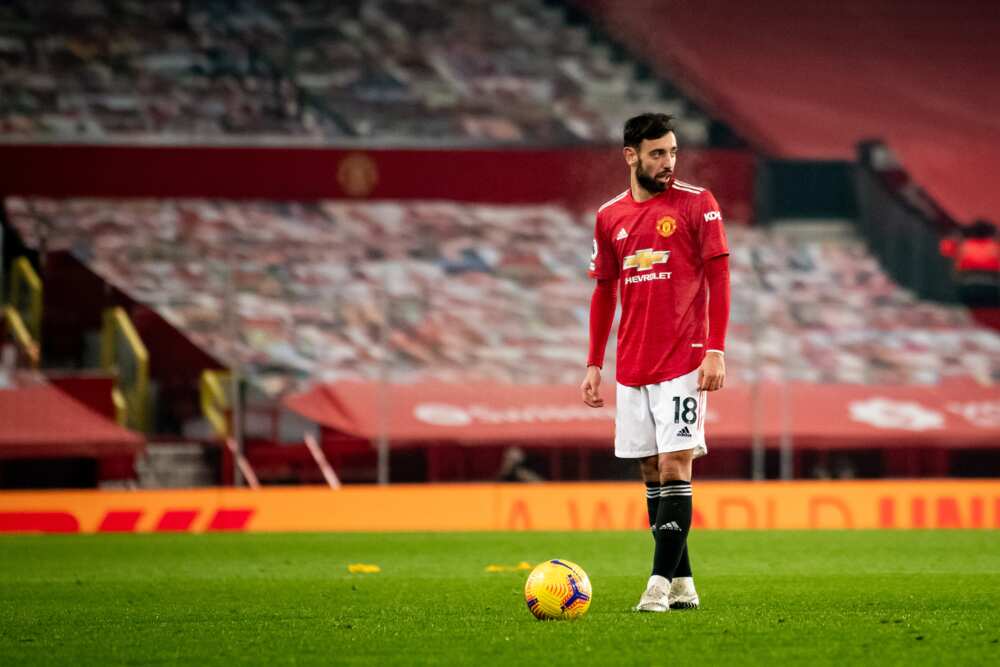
(658, 249)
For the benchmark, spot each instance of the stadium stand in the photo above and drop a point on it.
(321, 303)
(919, 243)
(379, 71)
(331, 274)
(479, 292)
(814, 79)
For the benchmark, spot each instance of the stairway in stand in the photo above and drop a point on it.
(171, 465)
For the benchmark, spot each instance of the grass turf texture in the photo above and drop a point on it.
(767, 598)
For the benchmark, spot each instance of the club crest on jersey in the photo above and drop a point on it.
(666, 226)
(643, 260)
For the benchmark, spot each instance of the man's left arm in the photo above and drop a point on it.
(715, 255)
(712, 372)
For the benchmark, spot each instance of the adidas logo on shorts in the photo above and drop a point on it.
(684, 433)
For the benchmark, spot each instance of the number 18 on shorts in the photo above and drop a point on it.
(658, 418)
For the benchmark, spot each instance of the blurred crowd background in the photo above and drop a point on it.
(218, 211)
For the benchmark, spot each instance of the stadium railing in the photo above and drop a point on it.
(216, 406)
(124, 355)
(23, 312)
(906, 242)
(214, 401)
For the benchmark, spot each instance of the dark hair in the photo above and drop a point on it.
(647, 126)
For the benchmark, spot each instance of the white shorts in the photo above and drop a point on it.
(658, 418)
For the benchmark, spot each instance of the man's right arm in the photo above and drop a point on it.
(604, 270)
(602, 316)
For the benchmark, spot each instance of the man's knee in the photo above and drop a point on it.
(676, 466)
(649, 468)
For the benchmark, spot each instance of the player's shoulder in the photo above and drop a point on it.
(689, 190)
(695, 198)
(613, 203)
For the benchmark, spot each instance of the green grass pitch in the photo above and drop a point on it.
(767, 598)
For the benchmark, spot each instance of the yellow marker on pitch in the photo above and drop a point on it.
(363, 568)
(523, 565)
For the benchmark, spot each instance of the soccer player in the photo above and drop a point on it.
(660, 244)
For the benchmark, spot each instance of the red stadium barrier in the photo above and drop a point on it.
(581, 177)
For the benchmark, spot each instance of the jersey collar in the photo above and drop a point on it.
(656, 197)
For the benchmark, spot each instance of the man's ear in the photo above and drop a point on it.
(631, 157)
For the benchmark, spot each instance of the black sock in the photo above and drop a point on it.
(684, 564)
(673, 521)
(652, 501)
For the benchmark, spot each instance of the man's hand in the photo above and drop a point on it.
(591, 387)
(712, 372)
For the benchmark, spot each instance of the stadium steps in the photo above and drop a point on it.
(805, 230)
(171, 465)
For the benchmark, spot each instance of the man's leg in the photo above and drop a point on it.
(682, 591)
(673, 514)
(684, 564)
(657, 594)
(669, 527)
(650, 471)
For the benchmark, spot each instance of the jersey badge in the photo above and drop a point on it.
(666, 226)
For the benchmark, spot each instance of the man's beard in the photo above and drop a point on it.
(648, 183)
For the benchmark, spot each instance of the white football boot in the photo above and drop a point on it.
(657, 595)
(682, 593)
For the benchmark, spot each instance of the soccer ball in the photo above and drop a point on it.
(556, 590)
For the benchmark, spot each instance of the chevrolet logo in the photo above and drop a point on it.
(644, 259)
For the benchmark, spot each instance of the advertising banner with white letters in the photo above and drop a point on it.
(958, 416)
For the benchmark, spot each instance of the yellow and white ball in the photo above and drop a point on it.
(557, 589)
